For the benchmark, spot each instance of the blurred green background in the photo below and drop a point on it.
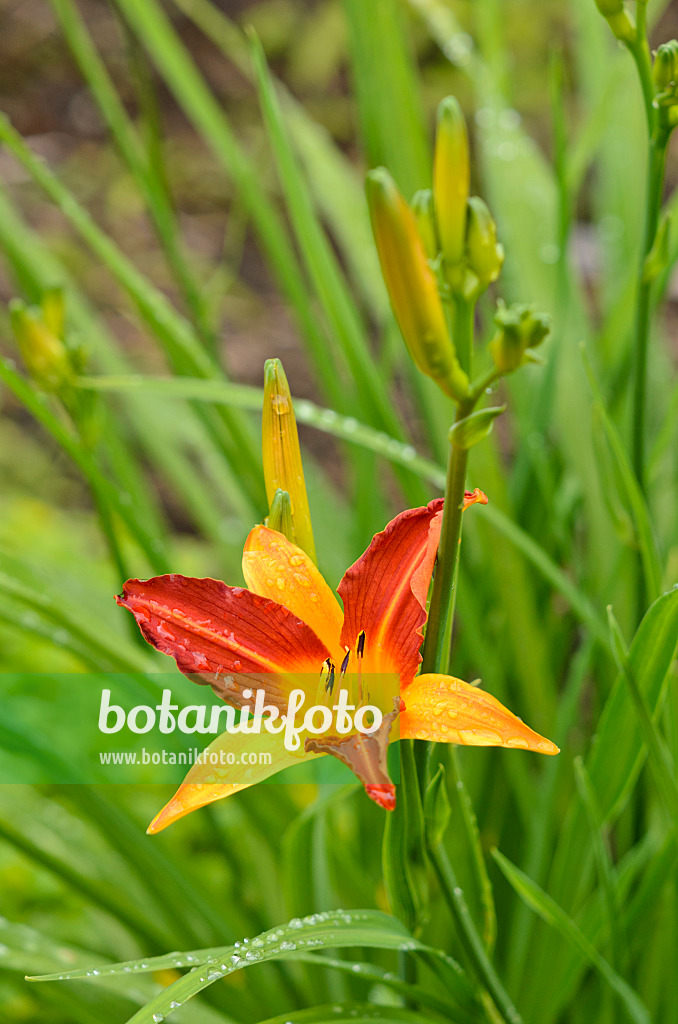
(188, 248)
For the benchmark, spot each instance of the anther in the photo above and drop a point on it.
(329, 685)
(361, 643)
(344, 664)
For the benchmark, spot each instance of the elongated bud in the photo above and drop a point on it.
(519, 329)
(45, 355)
(280, 514)
(412, 285)
(608, 8)
(485, 255)
(664, 67)
(451, 174)
(422, 208)
(283, 469)
(53, 309)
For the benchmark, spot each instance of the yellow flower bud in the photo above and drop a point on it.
(422, 208)
(45, 355)
(53, 310)
(283, 469)
(485, 256)
(412, 285)
(451, 174)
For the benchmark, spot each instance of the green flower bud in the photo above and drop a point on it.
(45, 355)
(519, 328)
(608, 8)
(412, 286)
(422, 208)
(484, 255)
(664, 67)
(451, 175)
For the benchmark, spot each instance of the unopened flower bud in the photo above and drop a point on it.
(618, 19)
(608, 8)
(45, 355)
(412, 285)
(664, 67)
(519, 328)
(485, 256)
(422, 208)
(280, 514)
(53, 309)
(451, 174)
(283, 469)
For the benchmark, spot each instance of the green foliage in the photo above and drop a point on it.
(129, 445)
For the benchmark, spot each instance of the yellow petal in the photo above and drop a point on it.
(447, 710)
(208, 781)
(273, 567)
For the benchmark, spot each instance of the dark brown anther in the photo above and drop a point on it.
(344, 664)
(361, 643)
(329, 685)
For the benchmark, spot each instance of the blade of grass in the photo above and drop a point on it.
(554, 915)
(242, 396)
(601, 853)
(147, 172)
(36, 268)
(109, 650)
(387, 91)
(179, 341)
(322, 268)
(82, 459)
(634, 495)
(204, 112)
(660, 758)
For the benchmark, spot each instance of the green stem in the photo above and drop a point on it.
(640, 51)
(472, 942)
(642, 319)
(462, 330)
(441, 609)
(655, 184)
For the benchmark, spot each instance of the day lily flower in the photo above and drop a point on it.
(287, 629)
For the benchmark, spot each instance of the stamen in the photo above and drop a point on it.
(363, 696)
(326, 683)
(344, 664)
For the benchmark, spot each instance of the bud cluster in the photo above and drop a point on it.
(444, 242)
(519, 331)
(665, 79)
(39, 333)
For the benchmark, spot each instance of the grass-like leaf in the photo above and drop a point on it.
(549, 911)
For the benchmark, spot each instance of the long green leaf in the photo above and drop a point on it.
(554, 915)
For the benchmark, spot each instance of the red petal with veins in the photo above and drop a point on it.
(212, 631)
(384, 592)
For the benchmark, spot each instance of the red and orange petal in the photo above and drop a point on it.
(214, 632)
(447, 710)
(474, 497)
(207, 782)
(276, 568)
(384, 592)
